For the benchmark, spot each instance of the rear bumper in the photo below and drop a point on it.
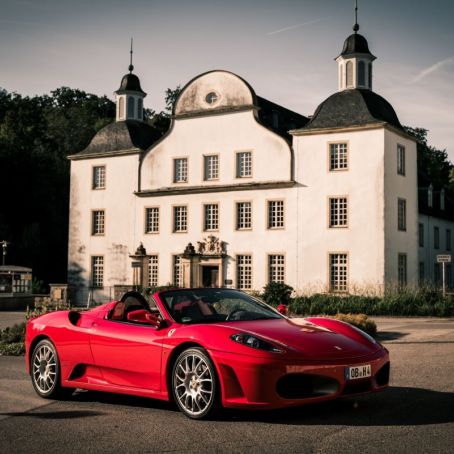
(261, 383)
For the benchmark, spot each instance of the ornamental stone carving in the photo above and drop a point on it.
(211, 246)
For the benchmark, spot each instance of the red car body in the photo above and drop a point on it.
(98, 353)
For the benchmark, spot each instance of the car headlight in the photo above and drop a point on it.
(255, 342)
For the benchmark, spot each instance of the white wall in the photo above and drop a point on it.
(363, 183)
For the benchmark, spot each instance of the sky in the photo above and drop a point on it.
(285, 49)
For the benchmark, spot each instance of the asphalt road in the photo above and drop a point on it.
(415, 415)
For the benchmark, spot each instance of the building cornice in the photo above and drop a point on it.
(104, 154)
(215, 188)
(366, 127)
(211, 112)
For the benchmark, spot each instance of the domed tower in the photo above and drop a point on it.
(129, 97)
(355, 61)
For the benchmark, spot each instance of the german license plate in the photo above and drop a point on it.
(355, 372)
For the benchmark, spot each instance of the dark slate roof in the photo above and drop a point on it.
(423, 199)
(353, 108)
(122, 135)
(355, 44)
(130, 82)
(279, 119)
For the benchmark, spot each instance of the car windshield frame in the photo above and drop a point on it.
(190, 298)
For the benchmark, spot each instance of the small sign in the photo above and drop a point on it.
(135, 264)
(443, 258)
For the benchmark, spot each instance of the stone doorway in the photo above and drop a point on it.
(210, 276)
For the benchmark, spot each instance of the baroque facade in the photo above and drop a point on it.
(241, 191)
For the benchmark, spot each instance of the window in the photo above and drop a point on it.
(338, 212)
(430, 196)
(130, 107)
(436, 238)
(97, 271)
(338, 272)
(121, 108)
(421, 235)
(276, 214)
(276, 268)
(448, 239)
(211, 221)
(244, 164)
(180, 219)
(97, 225)
(338, 156)
(153, 266)
(152, 220)
(177, 272)
(243, 215)
(180, 170)
(140, 109)
(370, 75)
(211, 167)
(400, 160)
(244, 272)
(437, 273)
(99, 177)
(361, 73)
(402, 269)
(442, 199)
(421, 273)
(401, 214)
(349, 68)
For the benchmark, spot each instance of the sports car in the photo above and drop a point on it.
(204, 349)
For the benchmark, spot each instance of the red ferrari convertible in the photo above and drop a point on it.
(204, 349)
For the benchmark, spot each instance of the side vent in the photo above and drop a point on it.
(78, 372)
(74, 317)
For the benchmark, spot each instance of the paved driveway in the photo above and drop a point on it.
(416, 415)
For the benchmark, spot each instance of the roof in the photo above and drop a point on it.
(355, 44)
(15, 269)
(423, 199)
(121, 136)
(353, 107)
(130, 82)
(279, 119)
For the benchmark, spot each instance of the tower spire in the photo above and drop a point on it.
(131, 66)
(356, 25)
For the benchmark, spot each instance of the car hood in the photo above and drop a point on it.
(315, 342)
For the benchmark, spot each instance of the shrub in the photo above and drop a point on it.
(45, 304)
(14, 349)
(14, 334)
(276, 293)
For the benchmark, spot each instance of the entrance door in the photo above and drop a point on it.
(210, 276)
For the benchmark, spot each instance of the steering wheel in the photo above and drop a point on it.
(234, 311)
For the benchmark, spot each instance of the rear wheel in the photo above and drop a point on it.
(45, 372)
(194, 384)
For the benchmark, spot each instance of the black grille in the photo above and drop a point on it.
(357, 387)
(301, 386)
(382, 376)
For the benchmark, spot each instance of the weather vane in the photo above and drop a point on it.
(356, 26)
(131, 66)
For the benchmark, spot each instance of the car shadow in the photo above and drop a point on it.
(55, 414)
(397, 406)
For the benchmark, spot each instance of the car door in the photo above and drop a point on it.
(128, 354)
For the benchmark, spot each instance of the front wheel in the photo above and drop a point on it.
(45, 372)
(194, 384)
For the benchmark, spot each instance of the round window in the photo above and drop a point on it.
(212, 98)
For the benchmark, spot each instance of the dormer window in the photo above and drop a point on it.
(349, 75)
(430, 196)
(212, 98)
(131, 107)
(361, 73)
(442, 199)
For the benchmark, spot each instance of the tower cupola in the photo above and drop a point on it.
(355, 61)
(129, 97)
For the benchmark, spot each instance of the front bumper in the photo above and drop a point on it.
(252, 382)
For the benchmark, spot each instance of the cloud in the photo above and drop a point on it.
(275, 32)
(433, 68)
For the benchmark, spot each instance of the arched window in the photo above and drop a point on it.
(341, 76)
(131, 107)
(349, 75)
(139, 109)
(370, 75)
(361, 73)
(121, 108)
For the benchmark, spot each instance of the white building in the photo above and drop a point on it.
(240, 191)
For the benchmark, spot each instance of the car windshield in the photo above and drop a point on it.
(214, 305)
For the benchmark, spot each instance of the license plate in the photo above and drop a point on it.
(355, 372)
